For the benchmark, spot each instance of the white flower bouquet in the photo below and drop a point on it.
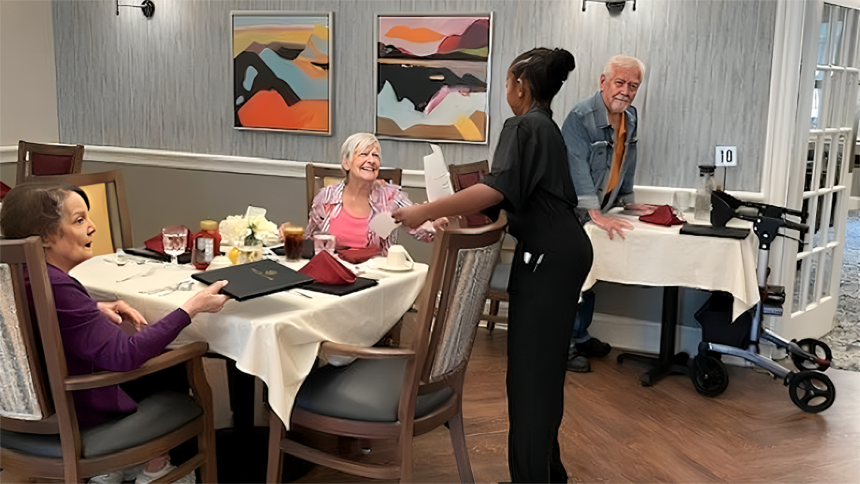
(249, 230)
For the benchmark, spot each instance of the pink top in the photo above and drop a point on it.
(384, 197)
(349, 231)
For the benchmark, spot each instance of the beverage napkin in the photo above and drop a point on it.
(664, 215)
(326, 270)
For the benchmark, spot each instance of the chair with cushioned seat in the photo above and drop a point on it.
(36, 159)
(39, 433)
(398, 393)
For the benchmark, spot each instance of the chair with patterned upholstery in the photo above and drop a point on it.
(463, 176)
(39, 433)
(398, 393)
(36, 159)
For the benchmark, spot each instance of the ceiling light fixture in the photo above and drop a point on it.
(147, 7)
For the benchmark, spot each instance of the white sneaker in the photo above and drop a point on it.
(147, 477)
(109, 478)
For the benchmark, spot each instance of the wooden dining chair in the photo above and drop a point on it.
(463, 176)
(108, 207)
(398, 393)
(319, 176)
(36, 159)
(39, 432)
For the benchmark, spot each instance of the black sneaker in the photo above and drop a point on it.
(578, 363)
(593, 347)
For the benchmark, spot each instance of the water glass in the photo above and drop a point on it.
(174, 238)
(324, 242)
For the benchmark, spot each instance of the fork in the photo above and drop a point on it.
(148, 272)
(184, 285)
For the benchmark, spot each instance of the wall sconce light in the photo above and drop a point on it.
(614, 6)
(147, 7)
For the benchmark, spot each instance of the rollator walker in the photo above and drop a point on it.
(809, 388)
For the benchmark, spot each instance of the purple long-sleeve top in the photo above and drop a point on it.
(93, 343)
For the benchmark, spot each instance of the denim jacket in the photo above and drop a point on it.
(589, 138)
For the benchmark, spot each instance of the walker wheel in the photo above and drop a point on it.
(814, 347)
(710, 377)
(812, 391)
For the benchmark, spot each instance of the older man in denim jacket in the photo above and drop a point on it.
(600, 134)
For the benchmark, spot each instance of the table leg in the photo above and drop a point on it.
(667, 363)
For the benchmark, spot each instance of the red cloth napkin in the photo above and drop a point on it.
(664, 215)
(326, 270)
(4, 189)
(359, 255)
(156, 243)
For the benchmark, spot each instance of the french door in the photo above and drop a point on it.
(821, 187)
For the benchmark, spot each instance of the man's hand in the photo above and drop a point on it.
(118, 311)
(641, 209)
(411, 216)
(610, 224)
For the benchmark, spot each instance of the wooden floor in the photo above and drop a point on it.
(616, 431)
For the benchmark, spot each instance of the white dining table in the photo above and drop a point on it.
(274, 337)
(655, 255)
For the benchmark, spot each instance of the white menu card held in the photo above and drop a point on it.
(436, 177)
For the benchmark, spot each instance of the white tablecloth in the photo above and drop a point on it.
(275, 337)
(653, 255)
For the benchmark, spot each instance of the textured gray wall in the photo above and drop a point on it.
(164, 83)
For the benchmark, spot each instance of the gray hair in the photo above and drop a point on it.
(624, 62)
(356, 143)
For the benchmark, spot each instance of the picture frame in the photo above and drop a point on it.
(432, 76)
(281, 70)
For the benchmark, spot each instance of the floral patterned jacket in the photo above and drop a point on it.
(384, 197)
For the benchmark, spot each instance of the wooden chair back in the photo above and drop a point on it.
(108, 207)
(464, 176)
(36, 159)
(451, 303)
(26, 392)
(319, 176)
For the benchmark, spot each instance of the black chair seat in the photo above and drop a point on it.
(156, 415)
(501, 274)
(366, 390)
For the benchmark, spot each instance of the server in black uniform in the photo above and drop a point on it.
(531, 181)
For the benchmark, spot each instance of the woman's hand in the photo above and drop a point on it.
(440, 223)
(118, 311)
(411, 216)
(206, 301)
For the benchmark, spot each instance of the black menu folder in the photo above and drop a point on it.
(255, 279)
(341, 289)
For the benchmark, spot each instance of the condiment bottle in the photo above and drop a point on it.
(206, 244)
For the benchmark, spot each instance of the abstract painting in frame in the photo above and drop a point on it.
(433, 76)
(281, 71)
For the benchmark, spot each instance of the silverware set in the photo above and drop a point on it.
(184, 285)
(145, 273)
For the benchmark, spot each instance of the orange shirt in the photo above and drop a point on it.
(618, 155)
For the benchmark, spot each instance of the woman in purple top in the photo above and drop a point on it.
(92, 338)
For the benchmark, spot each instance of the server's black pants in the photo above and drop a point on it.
(541, 316)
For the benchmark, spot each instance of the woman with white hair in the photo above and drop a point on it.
(346, 208)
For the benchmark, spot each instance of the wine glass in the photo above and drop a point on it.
(174, 238)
